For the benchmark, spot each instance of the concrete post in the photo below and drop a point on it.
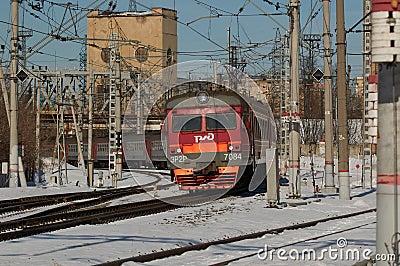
(14, 97)
(272, 177)
(343, 156)
(388, 198)
(21, 172)
(329, 162)
(386, 51)
(294, 130)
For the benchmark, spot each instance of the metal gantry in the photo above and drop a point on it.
(58, 100)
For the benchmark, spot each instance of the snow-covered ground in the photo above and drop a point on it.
(77, 183)
(91, 244)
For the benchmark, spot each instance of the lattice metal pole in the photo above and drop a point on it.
(115, 133)
(284, 105)
(132, 6)
(367, 122)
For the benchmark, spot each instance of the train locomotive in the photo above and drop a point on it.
(216, 139)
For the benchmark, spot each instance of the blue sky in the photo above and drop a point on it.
(248, 27)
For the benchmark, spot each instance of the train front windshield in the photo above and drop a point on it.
(186, 123)
(221, 121)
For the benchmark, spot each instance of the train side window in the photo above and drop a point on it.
(221, 121)
(102, 147)
(186, 123)
(73, 148)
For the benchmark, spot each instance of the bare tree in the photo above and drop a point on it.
(312, 130)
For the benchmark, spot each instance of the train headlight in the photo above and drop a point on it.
(202, 97)
(179, 150)
(230, 147)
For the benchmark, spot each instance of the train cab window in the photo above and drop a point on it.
(186, 123)
(102, 147)
(221, 121)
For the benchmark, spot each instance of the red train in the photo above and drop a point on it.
(210, 140)
(216, 139)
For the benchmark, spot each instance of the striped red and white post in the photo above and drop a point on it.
(386, 51)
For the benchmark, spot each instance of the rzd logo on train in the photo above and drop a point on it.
(209, 136)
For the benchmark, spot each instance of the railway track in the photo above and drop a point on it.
(27, 203)
(74, 214)
(205, 245)
(226, 262)
(74, 206)
(102, 214)
(23, 204)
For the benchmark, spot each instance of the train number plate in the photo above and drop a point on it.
(232, 156)
(178, 158)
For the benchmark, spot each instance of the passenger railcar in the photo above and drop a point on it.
(148, 155)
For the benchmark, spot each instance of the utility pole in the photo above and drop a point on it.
(294, 127)
(385, 16)
(90, 128)
(13, 97)
(329, 162)
(37, 162)
(343, 154)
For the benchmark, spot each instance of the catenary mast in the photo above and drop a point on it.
(386, 52)
(13, 97)
(294, 112)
